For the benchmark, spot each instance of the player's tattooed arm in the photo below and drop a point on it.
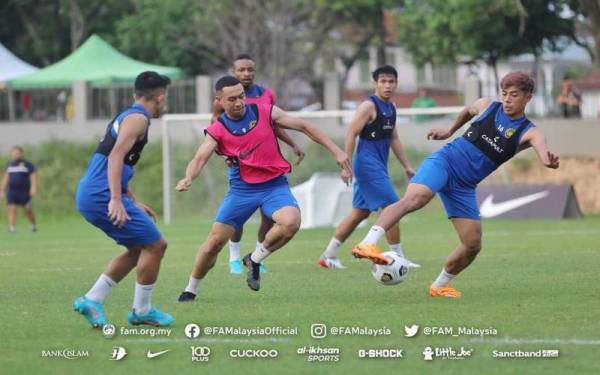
(195, 165)
(133, 127)
(536, 139)
(470, 111)
(280, 118)
(365, 113)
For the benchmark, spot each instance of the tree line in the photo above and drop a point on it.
(299, 38)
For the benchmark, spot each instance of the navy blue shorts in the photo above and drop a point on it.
(19, 198)
(140, 230)
(458, 198)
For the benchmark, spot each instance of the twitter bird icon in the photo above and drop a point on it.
(411, 331)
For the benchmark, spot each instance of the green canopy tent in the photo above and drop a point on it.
(96, 62)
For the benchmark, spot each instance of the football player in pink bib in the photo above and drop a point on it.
(245, 133)
(244, 69)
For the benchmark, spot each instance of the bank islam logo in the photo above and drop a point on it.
(118, 353)
(411, 331)
(192, 331)
(446, 353)
(109, 331)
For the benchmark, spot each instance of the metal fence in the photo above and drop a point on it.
(37, 105)
(105, 102)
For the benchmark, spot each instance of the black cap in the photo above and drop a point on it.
(151, 80)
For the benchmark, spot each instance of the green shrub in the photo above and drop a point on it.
(61, 164)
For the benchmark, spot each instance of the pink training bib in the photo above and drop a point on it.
(257, 151)
(267, 98)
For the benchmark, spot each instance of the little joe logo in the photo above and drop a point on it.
(429, 353)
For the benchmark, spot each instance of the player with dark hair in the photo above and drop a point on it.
(105, 200)
(500, 131)
(374, 123)
(19, 185)
(244, 69)
(245, 132)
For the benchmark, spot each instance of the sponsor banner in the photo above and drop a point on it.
(528, 201)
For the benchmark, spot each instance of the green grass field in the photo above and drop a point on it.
(535, 282)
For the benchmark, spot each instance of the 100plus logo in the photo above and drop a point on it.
(200, 353)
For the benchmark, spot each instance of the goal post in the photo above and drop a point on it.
(333, 123)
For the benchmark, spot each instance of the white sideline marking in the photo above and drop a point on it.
(209, 340)
(509, 340)
(7, 254)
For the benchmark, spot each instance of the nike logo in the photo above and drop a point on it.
(244, 155)
(152, 355)
(490, 209)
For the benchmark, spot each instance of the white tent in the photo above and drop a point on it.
(12, 67)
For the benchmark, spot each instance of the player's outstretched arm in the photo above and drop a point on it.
(536, 139)
(398, 150)
(282, 119)
(195, 165)
(284, 136)
(132, 128)
(470, 111)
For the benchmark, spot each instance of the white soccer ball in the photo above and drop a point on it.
(391, 274)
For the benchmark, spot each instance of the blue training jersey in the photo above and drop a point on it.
(371, 157)
(94, 183)
(468, 163)
(241, 127)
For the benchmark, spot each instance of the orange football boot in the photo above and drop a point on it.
(371, 252)
(446, 291)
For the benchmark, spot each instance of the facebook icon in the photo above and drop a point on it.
(192, 331)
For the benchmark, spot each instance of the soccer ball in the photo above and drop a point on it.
(391, 274)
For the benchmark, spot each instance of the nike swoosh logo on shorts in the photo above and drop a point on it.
(491, 209)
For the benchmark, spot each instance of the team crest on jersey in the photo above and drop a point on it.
(252, 124)
(509, 132)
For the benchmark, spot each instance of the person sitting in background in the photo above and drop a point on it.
(569, 99)
(423, 101)
(19, 185)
